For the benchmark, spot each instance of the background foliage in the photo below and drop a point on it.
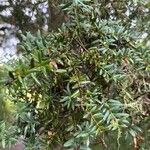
(86, 84)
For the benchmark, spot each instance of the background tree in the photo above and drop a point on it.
(31, 15)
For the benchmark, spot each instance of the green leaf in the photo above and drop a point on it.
(75, 94)
(35, 79)
(61, 71)
(69, 143)
(106, 115)
(132, 132)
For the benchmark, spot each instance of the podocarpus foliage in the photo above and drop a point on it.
(83, 84)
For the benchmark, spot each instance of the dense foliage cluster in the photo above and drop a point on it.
(84, 85)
